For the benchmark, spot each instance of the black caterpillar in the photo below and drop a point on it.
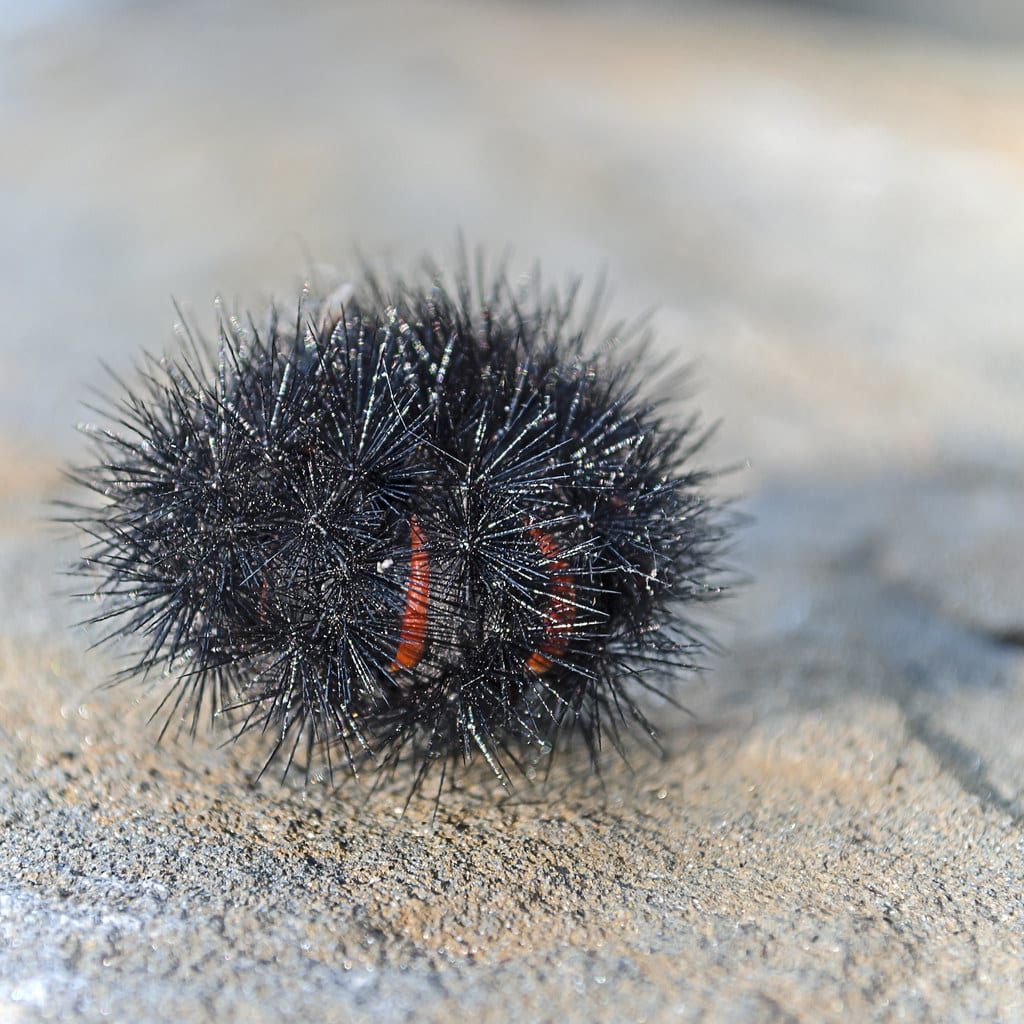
(428, 522)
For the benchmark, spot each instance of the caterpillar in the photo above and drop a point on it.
(439, 519)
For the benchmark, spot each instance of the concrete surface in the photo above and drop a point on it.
(829, 217)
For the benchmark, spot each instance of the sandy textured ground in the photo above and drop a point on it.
(829, 217)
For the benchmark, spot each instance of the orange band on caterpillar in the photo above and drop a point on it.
(412, 635)
(558, 619)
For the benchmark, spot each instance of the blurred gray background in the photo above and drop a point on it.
(824, 205)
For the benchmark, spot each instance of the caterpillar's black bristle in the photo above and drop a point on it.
(431, 523)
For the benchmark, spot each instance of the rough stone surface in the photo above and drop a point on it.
(829, 217)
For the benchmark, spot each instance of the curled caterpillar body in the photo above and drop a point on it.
(429, 522)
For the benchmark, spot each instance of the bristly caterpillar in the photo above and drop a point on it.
(440, 519)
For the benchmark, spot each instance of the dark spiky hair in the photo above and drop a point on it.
(431, 521)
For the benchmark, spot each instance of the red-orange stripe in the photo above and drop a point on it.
(412, 635)
(558, 619)
(264, 594)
